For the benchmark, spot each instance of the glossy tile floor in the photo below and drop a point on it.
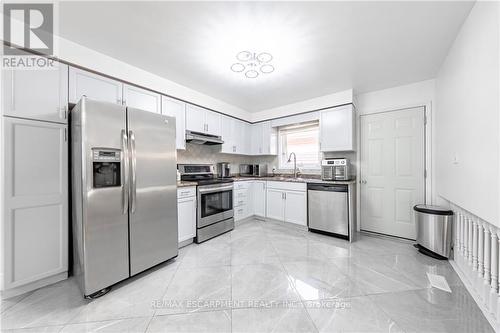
(265, 277)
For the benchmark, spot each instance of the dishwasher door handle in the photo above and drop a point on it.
(326, 187)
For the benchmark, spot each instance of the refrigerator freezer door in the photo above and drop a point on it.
(328, 210)
(100, 222)
(153, 189)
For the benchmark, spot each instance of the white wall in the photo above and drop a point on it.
(467, 121)
(410, 95)
(338, 98)
(407, 96)
(85, 57)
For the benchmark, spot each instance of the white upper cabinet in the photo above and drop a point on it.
(175, 108)
(264, 139)
(93, 86)
(229, 135)
(141, 99)
(203, 121)
(243, 138)
(256, 145)
(195, 119)
(213, 121)
(237, 136)
(36, 94)
(270, 137)
(337, 129)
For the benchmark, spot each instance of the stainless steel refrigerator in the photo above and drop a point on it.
(124, 193)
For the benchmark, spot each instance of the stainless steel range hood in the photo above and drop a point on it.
(203, 139)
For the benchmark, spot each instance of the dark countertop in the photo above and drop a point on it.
(302, 179)
(305, 179)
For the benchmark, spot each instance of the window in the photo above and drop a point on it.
(303, 140)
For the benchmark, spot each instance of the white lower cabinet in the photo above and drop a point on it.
(259, 198)
(186, 213)
(275, 204)
(35, 162)
(287, 202)
(242, 200)
(296, 207)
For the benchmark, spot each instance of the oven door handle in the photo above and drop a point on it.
(215, 189)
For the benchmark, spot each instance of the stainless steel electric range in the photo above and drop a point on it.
(215, 214)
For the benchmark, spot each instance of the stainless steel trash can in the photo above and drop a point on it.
(434, 226)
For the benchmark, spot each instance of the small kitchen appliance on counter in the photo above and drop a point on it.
(253, 170)
(335, 169)
(223, 170)
(215, 214)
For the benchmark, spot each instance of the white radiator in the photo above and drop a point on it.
(476, 259)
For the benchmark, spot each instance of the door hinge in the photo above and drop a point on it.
(425, 173)
(65, 135)
(425, 119)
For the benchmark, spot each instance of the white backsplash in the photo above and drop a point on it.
(202, 154)
(211, 155)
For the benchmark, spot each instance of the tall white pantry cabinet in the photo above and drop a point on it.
(34, 197)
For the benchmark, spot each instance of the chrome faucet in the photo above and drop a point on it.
(294, 163)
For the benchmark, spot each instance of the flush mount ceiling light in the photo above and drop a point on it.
(253, 64)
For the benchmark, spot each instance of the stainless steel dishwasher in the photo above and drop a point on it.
(330, 209)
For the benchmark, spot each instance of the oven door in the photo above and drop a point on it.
(215, 203)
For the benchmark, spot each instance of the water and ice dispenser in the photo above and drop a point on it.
(106, 167)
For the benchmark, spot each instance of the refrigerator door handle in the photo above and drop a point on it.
(133, 182)
(125, 175)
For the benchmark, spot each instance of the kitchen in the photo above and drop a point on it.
(227, 184)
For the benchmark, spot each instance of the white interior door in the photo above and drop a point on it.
(392, 171)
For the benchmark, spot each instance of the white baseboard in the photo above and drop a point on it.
(491, 319)
(33, 286)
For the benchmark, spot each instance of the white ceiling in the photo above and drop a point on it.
(319, 47)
